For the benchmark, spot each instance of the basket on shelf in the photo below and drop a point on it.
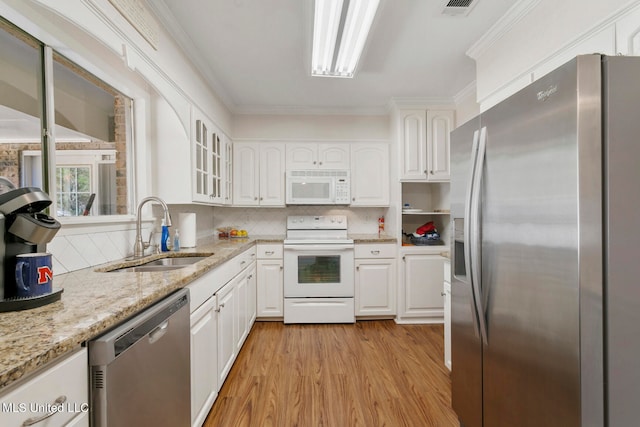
(426, 240)
(425, 235)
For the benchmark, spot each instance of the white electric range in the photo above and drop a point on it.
(318, 270)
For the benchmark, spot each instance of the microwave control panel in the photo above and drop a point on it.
(343, 191)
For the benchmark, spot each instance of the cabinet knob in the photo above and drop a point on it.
(425, 172)
(444, 294)
(314, 162)
(281, 268)
(353, 200)
(358, 267)
(375, 252)
(431, 172)
(261, 198)
(255, 198)
(320, 162)
(269, 252)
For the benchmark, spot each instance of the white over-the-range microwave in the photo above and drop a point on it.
(318, 187)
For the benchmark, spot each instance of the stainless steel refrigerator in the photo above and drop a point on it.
(545, 198)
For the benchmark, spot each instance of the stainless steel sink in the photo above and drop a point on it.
(175, 261)
(161, 264)
(148, 268)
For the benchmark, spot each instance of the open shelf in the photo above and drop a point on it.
(428, 202)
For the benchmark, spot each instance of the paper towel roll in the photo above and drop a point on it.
(187, 227)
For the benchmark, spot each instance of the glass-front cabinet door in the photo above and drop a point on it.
(208, 161)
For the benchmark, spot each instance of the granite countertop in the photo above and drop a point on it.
(372, 238)
(94, 300)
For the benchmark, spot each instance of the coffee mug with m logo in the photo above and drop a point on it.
(34, 274)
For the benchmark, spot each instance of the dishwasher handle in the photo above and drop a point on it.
(158, 332)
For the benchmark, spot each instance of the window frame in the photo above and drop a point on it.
(47, 140)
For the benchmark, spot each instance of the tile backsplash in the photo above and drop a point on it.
(77, 251)
(266, 221)
(78, 248)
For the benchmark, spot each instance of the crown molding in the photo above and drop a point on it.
(286, 110)
(518, 11)
(469, 90)
(420, 103)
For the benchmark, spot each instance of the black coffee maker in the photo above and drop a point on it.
(24, 229)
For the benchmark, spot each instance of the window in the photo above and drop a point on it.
(91, 135)
(84, 183)
(20, 103)
(73, 190)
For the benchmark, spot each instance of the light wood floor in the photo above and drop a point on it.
(372, 373)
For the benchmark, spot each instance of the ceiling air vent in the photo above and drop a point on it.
(458, 7)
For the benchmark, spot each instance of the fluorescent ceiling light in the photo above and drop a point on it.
(340, 30)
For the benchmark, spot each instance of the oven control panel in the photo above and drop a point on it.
(322, 222)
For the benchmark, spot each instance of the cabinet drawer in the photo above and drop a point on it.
(243, 260)
(375, 250)
(61, 388)
(202, 288)
(270, 251)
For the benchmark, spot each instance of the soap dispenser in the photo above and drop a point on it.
(164, 237)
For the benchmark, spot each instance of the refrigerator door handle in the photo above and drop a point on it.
(467, 234)
(475, 237)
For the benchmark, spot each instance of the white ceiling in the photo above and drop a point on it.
(256, 53)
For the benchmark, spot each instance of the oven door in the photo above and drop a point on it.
(318, 270)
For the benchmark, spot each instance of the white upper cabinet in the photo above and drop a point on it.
(272, 175)
(228, 171)
(424, 143)
(317, 156)
(208, 160)
(194, 164)
(258, 174)
(439, 125)
(369, 174)
(412, 129)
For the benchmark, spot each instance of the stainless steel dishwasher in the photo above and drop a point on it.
(140, 370)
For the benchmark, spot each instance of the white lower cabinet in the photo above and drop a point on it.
(420, 298)
(245, 304)
(227, 319)
(375, 280)
(270, 281)
(204, 366)
(58, 396)
(447, 314)
(221, 318)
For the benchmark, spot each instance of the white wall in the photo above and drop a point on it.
(511, 50)
(311, 127)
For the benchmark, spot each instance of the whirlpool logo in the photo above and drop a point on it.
(543, 95)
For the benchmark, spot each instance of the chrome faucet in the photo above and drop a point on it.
(140, 245)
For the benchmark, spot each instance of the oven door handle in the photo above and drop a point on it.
(319, 248)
